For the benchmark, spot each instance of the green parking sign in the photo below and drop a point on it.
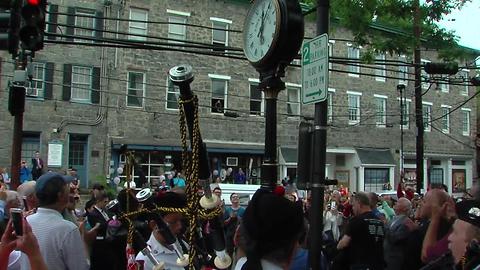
(315, 70)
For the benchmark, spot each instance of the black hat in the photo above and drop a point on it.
(469, 211)
(272, 222)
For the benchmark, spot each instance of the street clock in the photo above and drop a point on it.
(273, 33)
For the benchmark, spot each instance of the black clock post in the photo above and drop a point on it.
(272, 35)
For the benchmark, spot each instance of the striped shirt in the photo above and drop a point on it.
(60, 242)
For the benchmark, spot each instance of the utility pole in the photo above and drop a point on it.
(401, 88)
(319, 155)
(418, 97)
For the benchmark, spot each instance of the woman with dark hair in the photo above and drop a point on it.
(262, 235)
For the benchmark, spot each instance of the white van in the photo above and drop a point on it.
(245, 192)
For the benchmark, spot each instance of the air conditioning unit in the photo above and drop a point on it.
(32, 92)
(232, 161)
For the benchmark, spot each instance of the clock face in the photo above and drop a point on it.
(260, 29)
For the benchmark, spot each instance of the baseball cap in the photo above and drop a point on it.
(44, 179)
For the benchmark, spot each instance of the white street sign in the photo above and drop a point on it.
(315, 69)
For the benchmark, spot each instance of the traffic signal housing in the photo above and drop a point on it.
(10, 25)
(32, 32)
(441, 68)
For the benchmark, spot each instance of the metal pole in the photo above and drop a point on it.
(418, 97)
(269, 166)
(319, 156)
(16, 150)
(402, 157)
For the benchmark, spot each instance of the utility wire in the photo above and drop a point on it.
(453, 138)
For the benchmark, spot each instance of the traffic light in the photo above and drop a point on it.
(9, 25)
(304, 165)
(32, 31)
(441, 68)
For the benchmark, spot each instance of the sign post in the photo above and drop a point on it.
(315, 70)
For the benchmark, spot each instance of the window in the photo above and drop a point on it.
(176, 26)
(30, 144)
(135, 89)
(405, 111)
(331, 92)
(219, 93)
(137, 27)
(427, 116)
(36, 86)
(466, 122)
(403, 71)
(425, 76)
(381, 113)
(353, 54)
(84, 25)
(220, 33)
(293, 100)
(380, 68)
(81, 83)
(331, 43)
(256, 99)
(443, 84)
(353, 107)
(173, 92)
(464, 74)
(436, 176)
(376, 178)
(446, 119)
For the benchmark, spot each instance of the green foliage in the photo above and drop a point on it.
(387, 25)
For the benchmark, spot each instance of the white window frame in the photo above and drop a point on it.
(331, 45)
(380, 69)
(136, 89)
(298, 87)
(465, 74)
(444, 84)
(226, 79)
(406, 103)
(84, 86)
(353, 68)
(446, 118)
(82, 32)
(426, 83)
(330, 94)
(403, 71)
(225, 23)
(428, 115)
(33, 91)
(468, 112)
(383, 99)
(181, 17)
(357, 95)
(176, 92)
(138, 27)
(251, 82)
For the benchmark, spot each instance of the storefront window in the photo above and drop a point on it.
(376, 178)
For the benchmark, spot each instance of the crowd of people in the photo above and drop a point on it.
(362, 230)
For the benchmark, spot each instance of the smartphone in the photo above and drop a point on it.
(17, 220)
(334, 205)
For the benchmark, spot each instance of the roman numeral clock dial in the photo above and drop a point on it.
(273, 32)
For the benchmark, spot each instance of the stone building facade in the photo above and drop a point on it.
(87, 100)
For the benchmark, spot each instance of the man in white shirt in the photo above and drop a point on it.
(59, 240)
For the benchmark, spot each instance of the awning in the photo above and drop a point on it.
(151, 144)
(288, 155)
(372, 156)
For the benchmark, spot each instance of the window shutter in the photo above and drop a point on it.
(53, 20)
(67, 82)
(95, 96)
(49, 69)
(99, 25)
(70, 23)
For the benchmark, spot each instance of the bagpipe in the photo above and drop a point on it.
(133, 208)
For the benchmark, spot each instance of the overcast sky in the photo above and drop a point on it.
(466, 24)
